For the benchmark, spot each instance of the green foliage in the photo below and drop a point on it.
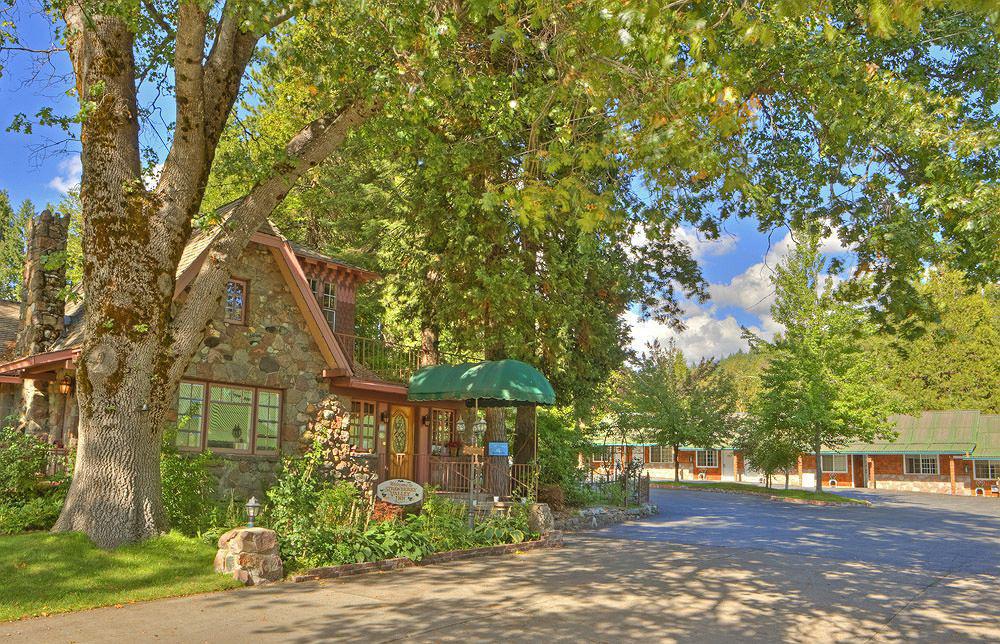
(560, 444)
(444, 522)
(37, 513)
(13, 243)
(504, 528)
(23, 461)
(819, 388)
(188, 488)
(666, 401)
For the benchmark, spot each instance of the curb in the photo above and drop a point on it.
(773, 497)
(551, 540)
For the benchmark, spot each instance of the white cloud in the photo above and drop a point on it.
(704, 335)
(704, 247)
(752, 290)
(70, 171)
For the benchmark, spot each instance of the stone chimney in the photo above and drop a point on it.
(42, 303)
(43, 308)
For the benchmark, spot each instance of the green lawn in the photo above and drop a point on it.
(42, 573)
(746, 488)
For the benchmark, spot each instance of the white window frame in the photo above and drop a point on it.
(992, 467)
(698, 457)
(328, 302)
(922, 460)
(833, 458)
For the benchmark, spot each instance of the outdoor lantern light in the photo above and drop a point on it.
(384, 417)
(425, 420)
(66, 386)
(252, 509)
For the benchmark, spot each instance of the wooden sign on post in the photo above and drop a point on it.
(399, 492)
(472, 450)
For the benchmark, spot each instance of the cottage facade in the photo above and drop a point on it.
(283, 341)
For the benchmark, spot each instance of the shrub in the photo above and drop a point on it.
(505, 528)
(23, 461)
(445, 522)
(188, 489)
(39, 513)
(559, 447)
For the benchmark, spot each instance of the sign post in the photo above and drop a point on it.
(399, 492)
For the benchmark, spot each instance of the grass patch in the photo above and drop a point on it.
(747, 488)
(45, 573)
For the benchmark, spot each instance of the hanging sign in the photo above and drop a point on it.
(499, 448)
(399, 492)
(472, 450)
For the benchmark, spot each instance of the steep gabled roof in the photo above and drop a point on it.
(190, 263)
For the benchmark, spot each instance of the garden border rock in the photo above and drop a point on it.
(772, 497)
(602, 516)
(550, 540)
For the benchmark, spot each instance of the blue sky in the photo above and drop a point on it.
(737, 266)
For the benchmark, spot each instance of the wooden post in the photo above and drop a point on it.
(951, 468)
(801, 482)
(871, 471)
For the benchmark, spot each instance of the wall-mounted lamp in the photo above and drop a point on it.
(384, 417)
(425, 420)
(66, 385)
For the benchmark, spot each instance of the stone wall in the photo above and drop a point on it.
(602, 516)
(42, 307)
(273, 349)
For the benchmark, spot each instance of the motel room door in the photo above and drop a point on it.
(401, 443)
(728, 465)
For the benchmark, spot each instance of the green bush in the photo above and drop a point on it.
(445, 522)
(505, 528)
(39, 513)
(23, 461)
(188, 489)
(559, 447)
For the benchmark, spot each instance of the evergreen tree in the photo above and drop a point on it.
(13, 244)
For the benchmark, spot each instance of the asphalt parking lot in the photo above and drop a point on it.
(936, 532)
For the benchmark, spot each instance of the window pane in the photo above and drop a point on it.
(268, 415)
(229, 412)
(236, 301)
(190, 412)
(368, 427)
(354, 430)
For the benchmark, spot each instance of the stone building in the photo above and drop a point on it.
(281, 344)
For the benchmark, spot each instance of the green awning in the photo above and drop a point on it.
(501, 383)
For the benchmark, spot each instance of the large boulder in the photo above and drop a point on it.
(250, 555)
(540, 518)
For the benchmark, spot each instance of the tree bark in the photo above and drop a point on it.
(136, 348)
(524, 434)
(677, 463)
(497, 467)
(817, 447)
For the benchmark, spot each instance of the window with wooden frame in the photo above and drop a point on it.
(834, 463)
(920, 465)
(706, 458)
(362, 427)
(228, 418)
(442, 431)
(236, 301)
(660, 454)
(329, 304)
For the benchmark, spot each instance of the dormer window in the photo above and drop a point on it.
(236, 302)
(326, 296)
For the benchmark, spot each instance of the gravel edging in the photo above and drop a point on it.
(772, 497)
(551, 540)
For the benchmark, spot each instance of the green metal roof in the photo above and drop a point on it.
(936, 432)
(500, 383)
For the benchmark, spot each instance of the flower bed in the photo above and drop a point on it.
(550, 540)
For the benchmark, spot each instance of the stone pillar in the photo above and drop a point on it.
(250, 555)
(42, 308)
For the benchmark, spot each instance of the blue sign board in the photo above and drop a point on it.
(499, 448)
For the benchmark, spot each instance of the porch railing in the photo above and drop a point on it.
(385, 359)
(454, 475)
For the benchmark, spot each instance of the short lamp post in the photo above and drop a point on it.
(252, 509)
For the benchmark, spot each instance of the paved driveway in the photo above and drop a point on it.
(711, 568)
(934, 532)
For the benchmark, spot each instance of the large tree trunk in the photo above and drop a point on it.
(136, 348)
(677, 464)
(497, 467)
(524, 434)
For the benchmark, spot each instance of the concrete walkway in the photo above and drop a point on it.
(605, 586)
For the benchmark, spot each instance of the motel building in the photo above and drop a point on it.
(944, 452)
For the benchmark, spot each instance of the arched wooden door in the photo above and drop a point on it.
(401, 443)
